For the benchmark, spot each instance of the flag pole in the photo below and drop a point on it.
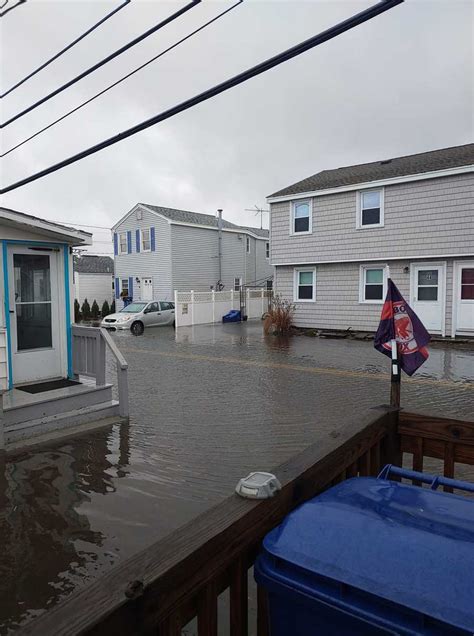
(395, 375)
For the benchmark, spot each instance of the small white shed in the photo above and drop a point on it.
(93, 279)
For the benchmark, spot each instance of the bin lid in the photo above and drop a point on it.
(407, 544)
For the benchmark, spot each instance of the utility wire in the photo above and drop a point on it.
(139, 68)
(69, 46)
(98, 227)
(290, 53)
(2, 13)
(110, 57)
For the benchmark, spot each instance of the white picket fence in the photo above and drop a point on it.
(200, 308)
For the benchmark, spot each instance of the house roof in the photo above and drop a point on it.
(197, 218)
(91, 264)
(49, 229)
(420, 163)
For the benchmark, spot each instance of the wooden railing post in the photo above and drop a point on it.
(207, 611)
(100, 360)
(2, 434)
(122, 380)
(239, 598)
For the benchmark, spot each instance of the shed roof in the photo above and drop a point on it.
(433, 160)
(92, 264)
(49, 229)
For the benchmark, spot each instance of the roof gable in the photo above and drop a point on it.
(420, 163)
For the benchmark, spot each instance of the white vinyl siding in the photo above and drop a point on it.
(97, 287)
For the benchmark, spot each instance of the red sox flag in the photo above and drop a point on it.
(399, 322)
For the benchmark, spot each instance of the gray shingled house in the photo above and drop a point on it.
(335, 235)
(93, 278)
(159, 250)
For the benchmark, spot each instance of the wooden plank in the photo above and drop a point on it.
(364, 464)
(239, 598)
(170, 626)
(436, 448)
(177, 567)
(375, 466)
(448, 430)
(207, 611)
(262, 612)
(351, 471)
(448, 463)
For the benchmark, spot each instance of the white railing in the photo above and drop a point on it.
(199, 308)
(89, 359)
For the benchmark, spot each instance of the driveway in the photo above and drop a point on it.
(208, 404)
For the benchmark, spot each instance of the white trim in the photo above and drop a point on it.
(247, 244)
(296, 272)
(372, 260)
(141, 240)
(119, 249)
(66, 233)
(441, 286)
(235, 230)
(456, 289)
(359, 225)
(362, 270)
(310, 218)
(435, 174)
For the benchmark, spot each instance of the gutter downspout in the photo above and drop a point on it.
(219, 228)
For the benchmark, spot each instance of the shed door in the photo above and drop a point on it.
(34, 314)
(427, 292)
(464, 297)
(147, 289)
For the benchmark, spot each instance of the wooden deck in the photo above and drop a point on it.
(180, 577)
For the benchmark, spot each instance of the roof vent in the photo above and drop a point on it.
(384, 163)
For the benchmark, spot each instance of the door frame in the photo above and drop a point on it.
(64, 303)
(441, 287)
(456, 284)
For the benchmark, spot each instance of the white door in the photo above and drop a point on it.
(427, 295)
(147, 289)
(34, 314)
(464, 296)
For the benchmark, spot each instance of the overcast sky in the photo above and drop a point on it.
(400, 84)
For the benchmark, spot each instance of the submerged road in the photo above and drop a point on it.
(208, 405)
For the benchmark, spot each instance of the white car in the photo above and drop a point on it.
(139, 315)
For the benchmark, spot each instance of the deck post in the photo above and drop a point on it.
(122, 383)
(100, 360)
(2, 435)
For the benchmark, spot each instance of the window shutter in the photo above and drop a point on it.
(115, 243)
(152, 239)
(130, 286)
(137, 240)
(129, 242)
(117, 288)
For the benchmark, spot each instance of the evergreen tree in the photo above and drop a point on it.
(105, 311)
(86, 310)
(77, 311)
(112, 307)
(95, 310)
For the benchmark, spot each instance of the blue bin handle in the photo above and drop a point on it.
(433, 480)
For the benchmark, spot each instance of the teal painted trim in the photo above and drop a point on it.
(7, 312)
(67, 298)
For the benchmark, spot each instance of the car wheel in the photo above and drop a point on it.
(137, 328)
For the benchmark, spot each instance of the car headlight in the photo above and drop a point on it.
(125, 318)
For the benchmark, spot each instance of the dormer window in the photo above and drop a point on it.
(301, 221)
(370, 209)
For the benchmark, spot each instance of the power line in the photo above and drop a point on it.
(290, 53)
(88, 101)
(98, 227)
(110, 57)
(67, 48)
(2, 13)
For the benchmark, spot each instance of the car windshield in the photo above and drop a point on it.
(133, 308)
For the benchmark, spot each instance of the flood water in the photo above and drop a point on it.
(207, 406)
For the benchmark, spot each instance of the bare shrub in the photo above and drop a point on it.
(279, 318)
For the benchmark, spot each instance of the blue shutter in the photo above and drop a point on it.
(130, 286)
(152, 239)
(115, 243)
(117, 288)
(129, 242)
(137, 240)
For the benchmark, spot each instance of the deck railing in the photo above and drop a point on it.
(181, 576)
(89, 359)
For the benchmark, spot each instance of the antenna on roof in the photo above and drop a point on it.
(258, 211)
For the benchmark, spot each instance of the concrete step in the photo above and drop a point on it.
(18, 432)
(22, 407)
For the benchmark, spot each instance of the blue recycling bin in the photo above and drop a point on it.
(233, 315)
(372, 556)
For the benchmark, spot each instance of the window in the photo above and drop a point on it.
(301, 222)
(248, 244)
(305, 285)
(152, 308)
(269, 284)
(373, 284)
(237, 284)
(369, 209)
(467, 283)
(428, 284)
(123, 243)
(267, 250)
(146, 240)
(166, 306)
(124, 285)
